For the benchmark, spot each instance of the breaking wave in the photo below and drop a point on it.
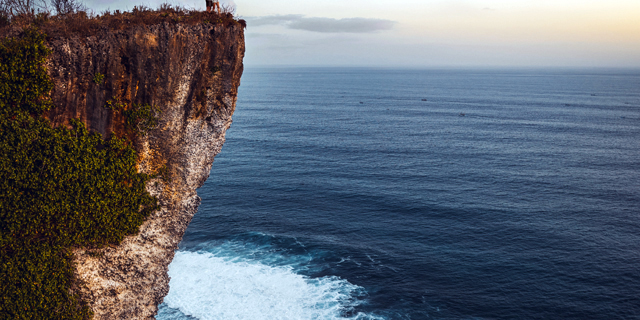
(233, 280)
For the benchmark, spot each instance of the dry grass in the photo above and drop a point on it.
(81, 23)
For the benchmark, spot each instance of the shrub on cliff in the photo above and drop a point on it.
(59, 188)
(71, 17)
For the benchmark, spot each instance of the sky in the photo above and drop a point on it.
(433, 33)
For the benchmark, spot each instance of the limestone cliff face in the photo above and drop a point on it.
(191, 73)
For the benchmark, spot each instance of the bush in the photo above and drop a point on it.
(98, 78)
(24, 82)
(78, 21)
(139, 118)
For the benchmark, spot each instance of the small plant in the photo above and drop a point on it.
(140, 118)
(98, 78)
(115, 105)
(162, 173)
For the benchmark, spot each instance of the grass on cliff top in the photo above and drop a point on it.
(86, 24)
(60, 188)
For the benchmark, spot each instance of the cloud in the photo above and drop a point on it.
(348, 25)
(324, 25)
(273, 20)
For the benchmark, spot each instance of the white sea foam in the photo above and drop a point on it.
(206, 286)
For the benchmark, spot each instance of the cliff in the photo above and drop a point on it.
(191, 73)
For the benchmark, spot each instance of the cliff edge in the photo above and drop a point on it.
(191, 74)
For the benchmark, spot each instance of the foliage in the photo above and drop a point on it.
(13, 8)
(21, 7)
(59, 188)
(24, 82)
(140, 118)
(72, 17)
(63, 7)
(98, 78)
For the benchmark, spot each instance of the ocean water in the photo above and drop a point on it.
(420, 194)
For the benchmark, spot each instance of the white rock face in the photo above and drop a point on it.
(191, 73)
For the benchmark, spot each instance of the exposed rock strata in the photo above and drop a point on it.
(192, 73)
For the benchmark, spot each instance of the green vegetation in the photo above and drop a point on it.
(139, 118)
(60, 188)
(24, 83)
(98, 78)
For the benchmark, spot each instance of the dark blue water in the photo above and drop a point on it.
(340, 193)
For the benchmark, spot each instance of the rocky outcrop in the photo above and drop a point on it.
(191, 73)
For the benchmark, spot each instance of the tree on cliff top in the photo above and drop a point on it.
(63, 7)
(12, 8)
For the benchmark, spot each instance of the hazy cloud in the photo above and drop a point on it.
(273, 20)
(324, 25)
(349, 25)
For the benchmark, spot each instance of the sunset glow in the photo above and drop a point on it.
(565, 33)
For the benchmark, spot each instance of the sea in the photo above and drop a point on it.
(358, 193)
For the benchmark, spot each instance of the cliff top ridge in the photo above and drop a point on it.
(86, 23)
